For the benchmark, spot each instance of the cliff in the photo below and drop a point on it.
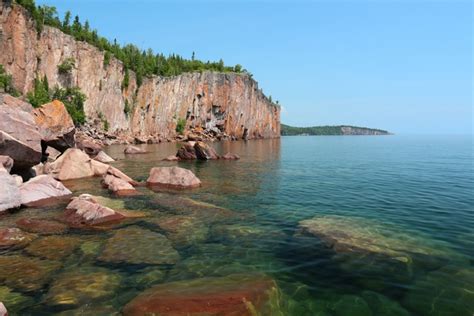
(287, 130)
(229, 102)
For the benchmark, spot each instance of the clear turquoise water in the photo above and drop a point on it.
(406, 192)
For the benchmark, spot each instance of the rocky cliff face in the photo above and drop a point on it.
(231, 103)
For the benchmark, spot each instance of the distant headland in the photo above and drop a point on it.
(287, 130)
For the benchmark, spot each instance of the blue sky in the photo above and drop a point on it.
(405, 66)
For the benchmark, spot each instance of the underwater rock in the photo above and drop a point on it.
(174, 177)
(97, 309)
(134, 245)
(242, 295)
(84, 211)
(205, 152)
(40, 188)
(171, 158)
(14, 238)
(182, 230)
(230, 156)
(148, 277)
(132, 150)
(82, 286)
(53, 247)
(25, 273)
(14, 300)
(382, 305)
(239, 232)
(445, 292)
(41, 226)
(118, 186)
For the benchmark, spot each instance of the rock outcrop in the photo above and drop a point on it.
(42, 188)
(231, 104)
(173, 177)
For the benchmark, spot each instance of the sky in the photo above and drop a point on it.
(404, 66)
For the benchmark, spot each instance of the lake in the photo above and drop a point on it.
(342, 225)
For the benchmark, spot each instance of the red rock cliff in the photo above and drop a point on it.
(230, 102)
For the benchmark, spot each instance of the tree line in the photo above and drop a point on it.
(286, 130)
(142, 62)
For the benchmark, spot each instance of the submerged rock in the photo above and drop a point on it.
(82, 286)
(174, 177)
(41, 226)
(132, 150)
(10, 193)
(118, 186)
(182, 230)
(230, 156)
(172, 158)
(14, 238)
(56, 126)
(53, 247)
(14, 300)
(26, 274)
(85, 210)
(40, 188)
(205, 152)
(382, 305)
(133, 245)
(231, 295)
(445, 292)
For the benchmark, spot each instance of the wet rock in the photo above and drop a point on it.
(41, 226)
(41, 188)
(232, 295)
(55, 125)
(103, 157)
(14, 300)
(53, 247)
(205, 152)
(174, 177)
(26, 274)
(84, 211)
(230, 156)
(445, 292)
(172, 158)
(14, 238)
(6, 162)
(10, 193)
(118, 186)
(187, 152)
(133, 245)
(132, 150)
(19, 136)
(82, 286)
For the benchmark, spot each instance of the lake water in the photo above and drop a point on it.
(378, 225)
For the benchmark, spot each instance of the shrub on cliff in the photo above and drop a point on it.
(180, 125)
(66, 66)
(40, 94)
(6, 84)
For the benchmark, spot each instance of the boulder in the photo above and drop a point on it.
(134, 245)
(103, 157)
(132, 150)
(229, 156)
(205, 152)
(118, 186)
(52, 154)
(174, 177)
(53, 247)
(41, 188)
(14, 238)
(19, 136)
(3, 310)
(6, 162)
(186, 152)
(55, 125)
(75, 164)
(41, 226)
(119, 174)
(84, 211)
(10, 193)
(236, 294)
(89, 146)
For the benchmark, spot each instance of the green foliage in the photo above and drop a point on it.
(126, 80)
(74, 100)
(143, 62)
(180, 125)
(66, 66)
(319, 130)
(6, 82)
(105, 123)
(40, 94)
(127, 109)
